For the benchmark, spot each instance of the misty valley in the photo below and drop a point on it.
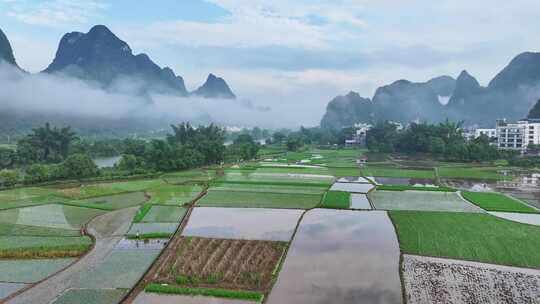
(207, 152)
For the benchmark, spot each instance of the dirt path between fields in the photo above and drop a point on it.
(107, 230)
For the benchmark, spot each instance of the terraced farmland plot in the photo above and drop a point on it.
(174, 194)
(113, 202)
(220, 263)
(525, 218)
(244, 199)
(30, 271)
(492, 201)
(352, 187)
(24, 230)
(23, 197)
(91, 296)
(404, 181)
(397, 172)
(164, 214)
(468, 236)
(273, 188)
(152, 228)
(49, 216)
(421, 201)
(39, 246)
(122, 268)
(189, 176)
(480, 173)
(278, 178)
(242, 223)
(436, 280)
(112, 188)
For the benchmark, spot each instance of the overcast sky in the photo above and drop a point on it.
(291, 55)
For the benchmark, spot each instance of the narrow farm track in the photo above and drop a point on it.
(108, 230)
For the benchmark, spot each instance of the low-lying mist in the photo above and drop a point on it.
(60, 95)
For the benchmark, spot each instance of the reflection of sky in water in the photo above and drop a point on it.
(341, 257)
(141, 244)
(243, 223)
(352, 187)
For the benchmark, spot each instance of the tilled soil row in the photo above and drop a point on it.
(231, 264)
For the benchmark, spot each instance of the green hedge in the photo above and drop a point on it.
(209, 292)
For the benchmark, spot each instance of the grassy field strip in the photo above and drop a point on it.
(239, 199)
(207, 292)
(480, 173)
(397, 172)
(468, 236)
(492, 201)
(336, 200)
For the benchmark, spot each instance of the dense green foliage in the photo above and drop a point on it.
(209, 292)
(243, 148)
(467, 236)
(444, 140)
(492, 201)
(336, 200)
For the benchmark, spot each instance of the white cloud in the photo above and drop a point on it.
(56, 13)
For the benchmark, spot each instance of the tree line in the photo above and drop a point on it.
(444, 140)
(50, 153)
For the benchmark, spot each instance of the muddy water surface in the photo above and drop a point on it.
(404, 181)
(352, 187)
(152, 298)
(360, 201)
(243, 223)
(341, 257)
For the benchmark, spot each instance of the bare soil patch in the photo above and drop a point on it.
(222, 263)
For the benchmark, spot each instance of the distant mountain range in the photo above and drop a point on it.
(511, 94)
(100, 57)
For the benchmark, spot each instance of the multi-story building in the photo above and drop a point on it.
(518, 135)
(490, 133)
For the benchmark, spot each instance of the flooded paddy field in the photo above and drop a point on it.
(341, 257)
(354, 179)
(7, 289)
(242, 223)
(360, 201)
(352, 187)
(421, 201)
(287, 177)
(153, 298)
(164, 214)
(436, 280)
(91, 296)
(525, 218)
(404, 181)
(170, 194)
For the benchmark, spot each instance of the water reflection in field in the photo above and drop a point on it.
(403, 181)
(352, 187)
(341, 257)
(243, 223)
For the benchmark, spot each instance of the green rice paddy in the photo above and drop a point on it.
(476, 237)
(189, 176)
(244, 199)
(164, 214)
(336, 200)
(168, 194)
(113, 202)
(34, 246)
(413, 188)
(492, 201)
